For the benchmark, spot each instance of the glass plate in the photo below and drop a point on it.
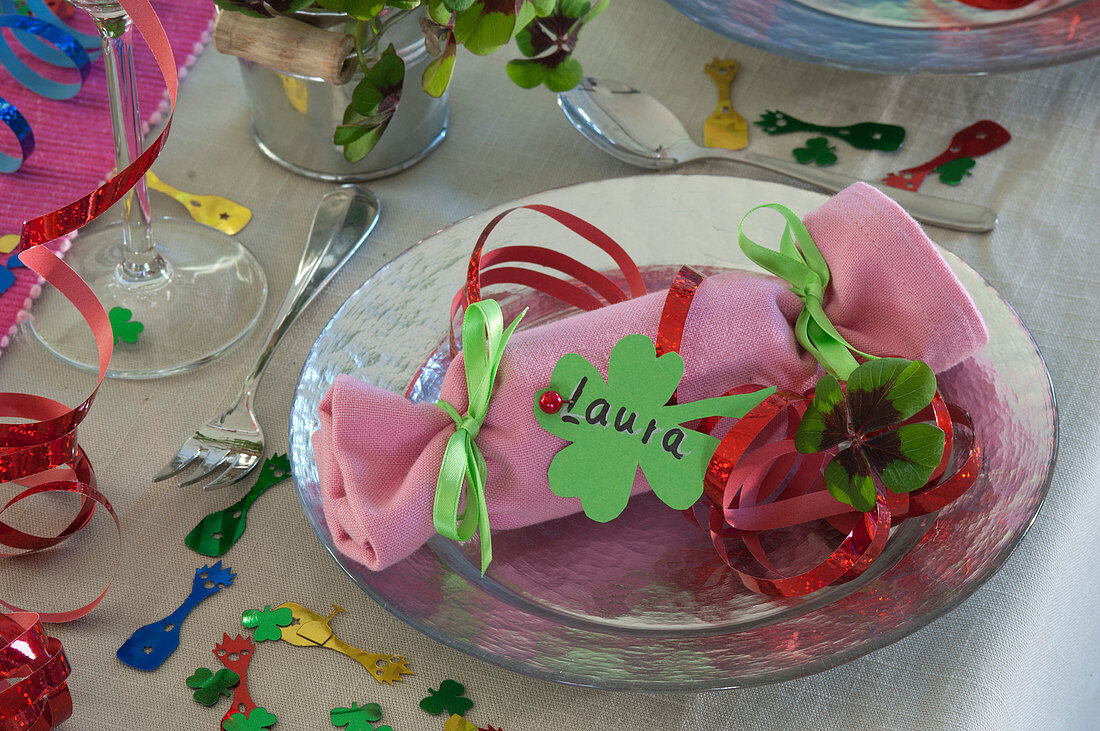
(908, 36)
(644, 603)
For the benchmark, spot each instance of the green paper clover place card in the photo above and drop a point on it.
(627, 422)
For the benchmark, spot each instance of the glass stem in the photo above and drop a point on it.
(141, 264)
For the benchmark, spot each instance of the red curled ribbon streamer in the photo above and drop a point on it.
(34, 669)
(484, 269)
(65, 220)
(42, 455)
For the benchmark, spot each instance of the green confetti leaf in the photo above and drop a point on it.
(123, 326)
(864, 421)
(209, 687)
(817, 150)
(625, 423)
(356, 718)
(265, 623)
(952, 173)
(258, 720)
(450, 698)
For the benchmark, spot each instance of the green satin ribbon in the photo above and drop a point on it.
(463, 470)
(801, 264)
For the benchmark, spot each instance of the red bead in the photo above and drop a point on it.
(551, 402)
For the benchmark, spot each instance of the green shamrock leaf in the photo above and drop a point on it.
(486, 25)
(258, 720)
(121, 325)
(265, 623)
(356, 718)
(209, 687)
(625, 423)
(817, 150)
(952, 173)
(450, 698)
(864, 420)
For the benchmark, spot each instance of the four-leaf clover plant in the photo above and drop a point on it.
(866, 421)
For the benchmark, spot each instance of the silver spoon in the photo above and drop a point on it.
(639, 130)
(230, 445)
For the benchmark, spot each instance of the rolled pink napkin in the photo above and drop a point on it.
(378, 455)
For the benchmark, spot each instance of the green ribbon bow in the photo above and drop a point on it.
(483, 341)
(801, 264)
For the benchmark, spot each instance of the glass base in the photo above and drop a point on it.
(213, 297)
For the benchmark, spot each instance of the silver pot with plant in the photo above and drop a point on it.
(356, 89)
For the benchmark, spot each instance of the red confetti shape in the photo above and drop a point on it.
(242, 647)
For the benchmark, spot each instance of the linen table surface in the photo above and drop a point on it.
(1022, 652)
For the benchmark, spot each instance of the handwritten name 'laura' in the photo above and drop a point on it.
(597, 412)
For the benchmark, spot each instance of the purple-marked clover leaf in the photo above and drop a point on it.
(450, 698)
(864, 421)
(373, 104)
(257, 720)
(123, 325)
(266, 622)
(209, 687)
(817, 150)
(952, 173)
(356, 718)
(548, 43)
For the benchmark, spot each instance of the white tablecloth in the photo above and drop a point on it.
(1021, 653)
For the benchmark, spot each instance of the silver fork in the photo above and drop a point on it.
(229, 446)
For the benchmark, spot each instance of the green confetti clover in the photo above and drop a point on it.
(952, 173)
(625, 423)
(817, 150)
(358, 718)
(865, 420)
(122, 325)
(450, 698)
(265, 623)
(209, 687)
(258, 720)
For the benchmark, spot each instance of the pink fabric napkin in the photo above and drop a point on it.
(378, 455)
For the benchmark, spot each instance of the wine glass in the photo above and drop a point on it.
(196, 291)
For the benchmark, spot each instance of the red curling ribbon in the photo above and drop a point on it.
(43, 455)
(34, 670)
(484, 268)
(65, 220)
(670, 331)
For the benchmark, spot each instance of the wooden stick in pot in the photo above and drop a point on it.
(287, 45)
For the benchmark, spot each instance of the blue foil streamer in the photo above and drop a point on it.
(61, 39)
(17, 123)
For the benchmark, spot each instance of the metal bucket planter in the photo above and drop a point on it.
(294, 117)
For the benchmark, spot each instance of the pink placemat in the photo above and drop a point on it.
(74, 150)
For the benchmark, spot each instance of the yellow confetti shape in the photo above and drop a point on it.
(458, 723)
(8, 243)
